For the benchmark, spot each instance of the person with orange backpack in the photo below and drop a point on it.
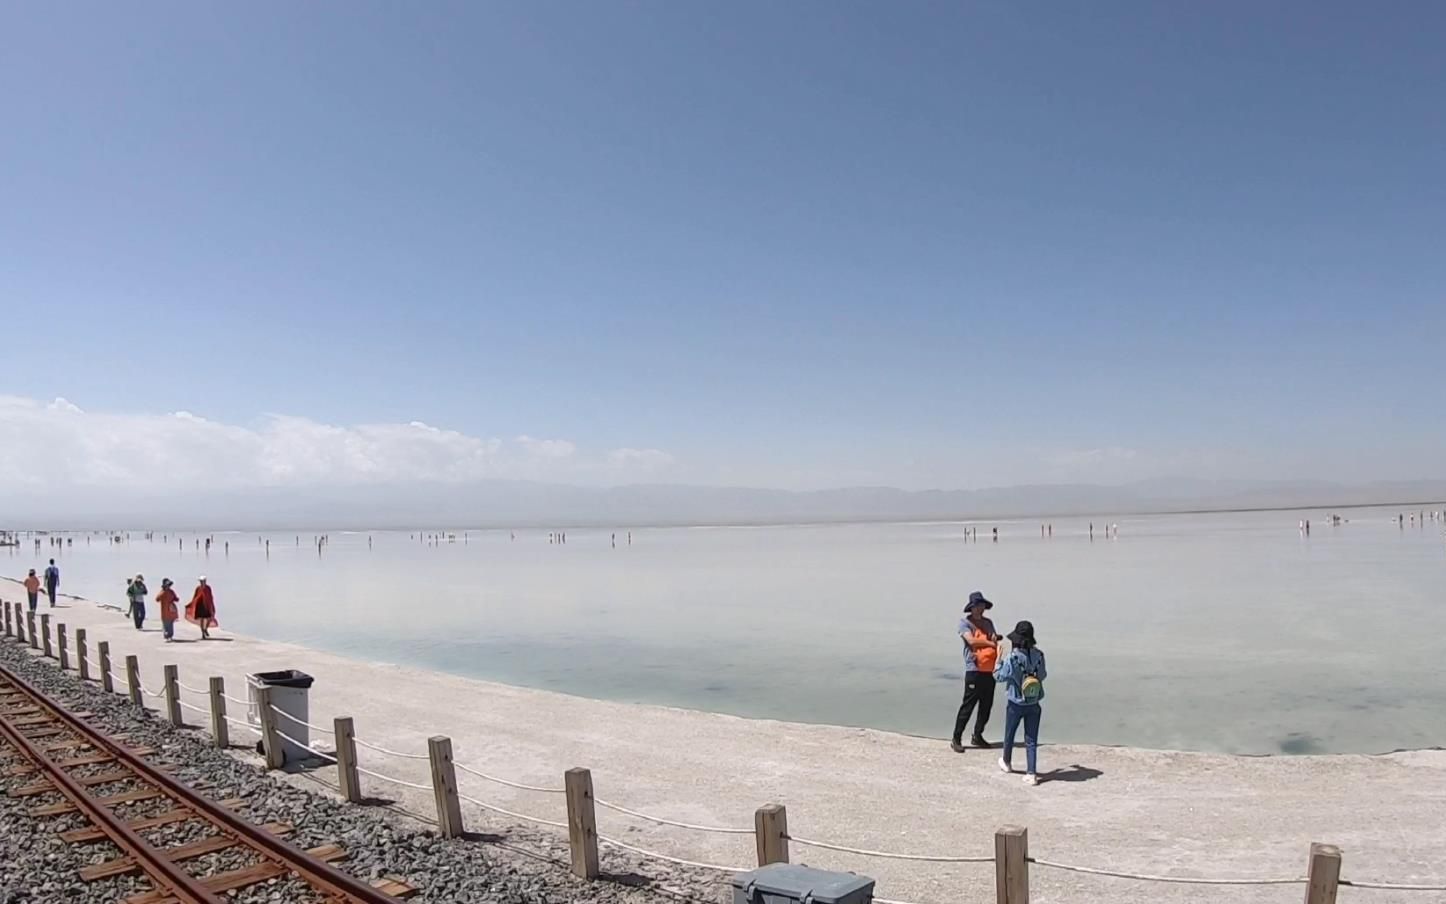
(1022, 673)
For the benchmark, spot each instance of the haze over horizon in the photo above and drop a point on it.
(394, 255)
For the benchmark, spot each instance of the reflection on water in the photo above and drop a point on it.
(1213, 632)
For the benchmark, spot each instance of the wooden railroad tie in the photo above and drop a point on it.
(125, 797)
(91, 833)
(121, 866)
(241, 878)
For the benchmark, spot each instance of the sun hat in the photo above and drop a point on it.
(1022, 635)
(202, 579)
(977, 599)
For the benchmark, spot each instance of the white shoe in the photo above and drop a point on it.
(1031, 779)
(1003, 766)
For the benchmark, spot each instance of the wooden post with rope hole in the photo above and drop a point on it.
(1011, 865)
(133, 681)
(173, 696)
(107, 680)
(30, 630)
(1323, 876)
(9, 627)
(60, 647)
(581, 823)
(270, 740)
(220, 728)
(347, 777)
(444, 786)
(770, 831)
(45, 635)
(81, 663)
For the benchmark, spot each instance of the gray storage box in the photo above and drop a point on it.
(289, 694)
(785, 883)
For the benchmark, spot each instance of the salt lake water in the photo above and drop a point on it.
(1221, 632)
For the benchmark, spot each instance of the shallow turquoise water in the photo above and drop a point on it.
(1227, 632)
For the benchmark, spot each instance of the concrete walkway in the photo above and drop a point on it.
(1161, 813)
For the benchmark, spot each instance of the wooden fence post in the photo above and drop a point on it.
(770, 830)
(30, 630)
(270, 740)
(220, 730)
(444, 786)
(173, 696)
(1324, 874)
(9, 627)
(581, 823)
(346, 775)
(1011, 865)
(45, 634)
(81, 652)
(133, 681)
(107, 680)
(61, 647)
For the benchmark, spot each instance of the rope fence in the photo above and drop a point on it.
(1011, 857)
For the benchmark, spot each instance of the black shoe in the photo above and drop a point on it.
(982, 744)
(956, 747)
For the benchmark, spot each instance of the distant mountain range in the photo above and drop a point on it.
(522, 504)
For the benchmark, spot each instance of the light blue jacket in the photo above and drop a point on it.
(1012, 670)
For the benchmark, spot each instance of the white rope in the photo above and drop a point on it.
(325, 756)
(190, 706)
(721, 830)
(1177, 880)
(380, 749)
(236, 700)
(148, 693)
(887, 854)
(395, 781)
(1391, 886)
(245, 725)
(522, 816)
(292, 718)
(194, 690)
(679, 860)
(502, 781)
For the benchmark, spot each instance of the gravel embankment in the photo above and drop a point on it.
(517, 865)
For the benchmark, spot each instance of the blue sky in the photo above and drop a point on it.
(787, 244)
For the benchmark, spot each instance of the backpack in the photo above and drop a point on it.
(1030, 687)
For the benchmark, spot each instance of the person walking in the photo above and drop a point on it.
(137, 592)
(52, 582)
(168, 599)
(32, 589)
(1022, 673)
(201, 610)
(981, 649)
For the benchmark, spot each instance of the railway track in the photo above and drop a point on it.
(93, 774)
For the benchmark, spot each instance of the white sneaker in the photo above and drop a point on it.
(1031, 779)
(1003, 766)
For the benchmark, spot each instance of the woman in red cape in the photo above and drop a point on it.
(201, 610)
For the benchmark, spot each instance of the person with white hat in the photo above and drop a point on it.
(201, 610)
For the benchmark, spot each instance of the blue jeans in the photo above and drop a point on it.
(1029, 715)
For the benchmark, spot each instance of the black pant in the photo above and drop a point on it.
(50, 592)
(138, 612)
(978, 688)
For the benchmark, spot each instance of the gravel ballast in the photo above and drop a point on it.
(517, 865)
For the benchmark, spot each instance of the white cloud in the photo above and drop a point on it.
(59, 445)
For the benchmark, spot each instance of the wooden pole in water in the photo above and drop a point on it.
(107, 680)
(60, 646)
(220, 730)
(81, 662)
(1324, 874)
(45, 634)
(444, 786)
(770, 830)
(173, 696)
(347, 776)
(1011, 865)
(133, 681)
(581, 823)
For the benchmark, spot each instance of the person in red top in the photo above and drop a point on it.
(981, 651)
(201, 610)
(32, 588)
(168, 599)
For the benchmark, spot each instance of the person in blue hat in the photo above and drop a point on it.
(981, 651)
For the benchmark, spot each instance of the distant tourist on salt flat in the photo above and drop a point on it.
(52, 581)
(201, 610)
(168, 599)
